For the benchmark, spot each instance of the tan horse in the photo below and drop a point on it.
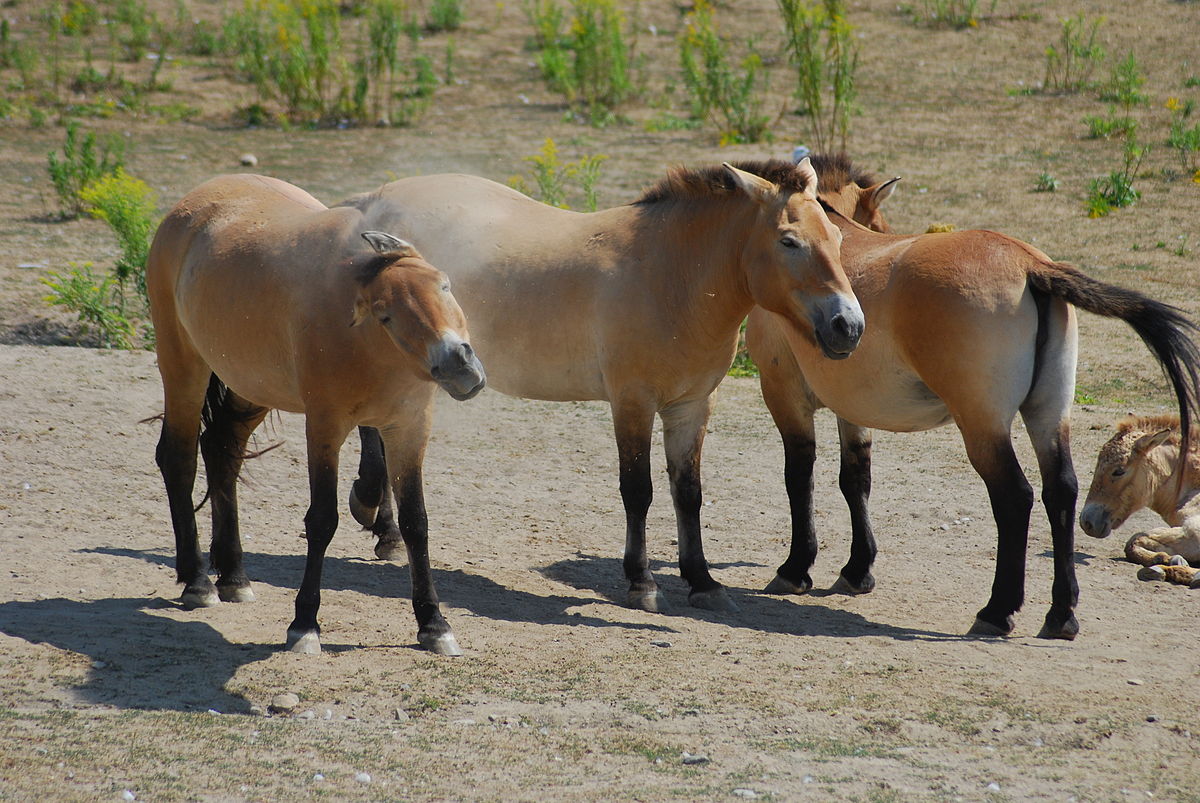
(638, 305)
(969, 327)
(263, 298)
(1140, 467)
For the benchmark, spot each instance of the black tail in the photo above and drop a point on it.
(1165, 329)
(222, 409)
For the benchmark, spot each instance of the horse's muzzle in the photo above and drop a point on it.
(840, 329)
(454, 366)
(1096, 521)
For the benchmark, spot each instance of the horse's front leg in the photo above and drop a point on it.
(633, 420)
(1012, 500)
(855, 483)
(370, 503)
(683, 436)
(405, 449)
(320, 522)
(223, 444)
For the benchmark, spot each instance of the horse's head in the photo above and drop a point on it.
(861, 204)
(411, 300)
(1130, 470)
(793, 260)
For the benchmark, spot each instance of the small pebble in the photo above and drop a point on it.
(660, 644)
(99, 665)
(688, 758)
(401, 715)
(248, 159)
(318, 777)
(257, 711)
(748, 794)
(993, 787)
(127, 795)
(807, 779)
(307, 713)
(363, 777)
(1134, 682)
(284, 703)
(1152, 718)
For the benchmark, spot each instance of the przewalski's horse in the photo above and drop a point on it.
(1141, 466)
(262, 298)
(970, 327)
(638, 305)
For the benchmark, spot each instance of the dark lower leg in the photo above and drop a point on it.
(1012, 500)
(1060, 492)
(176, 458)
(432, 628)
(223, 445)
(370, 500)
(320, 523)
(799, 455)
(855, 483)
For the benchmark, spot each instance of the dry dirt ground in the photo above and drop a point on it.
(107, 687)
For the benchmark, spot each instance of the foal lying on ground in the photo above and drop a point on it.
(263, 298)
(1140, 467)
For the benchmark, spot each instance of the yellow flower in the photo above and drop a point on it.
(1196, 177)
(1173, 104)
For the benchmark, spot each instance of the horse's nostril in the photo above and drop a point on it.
(435, 371)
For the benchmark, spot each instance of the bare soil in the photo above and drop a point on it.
(564, 694)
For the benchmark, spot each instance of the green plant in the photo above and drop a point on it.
(1070, 63)
(445, 15)
(82, 163)
(947, 13)
(728, 96)
(742, 364)
(1184, 140)
(91, 298)
(1045, 183)
(1109, 126)
(589, 62)
(130, 207)
(551, 176)
(1116, 190)
(138, 23)
(821, 47)
(1125, 82)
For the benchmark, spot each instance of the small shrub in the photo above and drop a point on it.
(91, 298)
(1109, 126)
(730, 97)
(1125, 83)
(947, 13)
(445, 15)
(1116, 190)
(552, 175)
(821, 47)
(1070, 63)
(1184, 140)
(1045, 183)
(82, 163)
(130, 207)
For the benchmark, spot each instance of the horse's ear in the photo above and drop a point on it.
(810, 177)
(874, 196)
(1147, 442)
(362, 308)
(385, 243)
(758, 188)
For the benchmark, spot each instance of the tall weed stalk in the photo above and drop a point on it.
(820, 46)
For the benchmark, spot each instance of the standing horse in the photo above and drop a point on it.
(970, 327)
(638, 305)
(261, 300)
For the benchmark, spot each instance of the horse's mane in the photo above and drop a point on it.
(683, 183)
(1148, 423)
(835, 170)
(367, 266)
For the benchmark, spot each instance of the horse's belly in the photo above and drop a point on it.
(879, 396)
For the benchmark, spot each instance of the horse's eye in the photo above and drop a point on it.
(385, 319)
(789, 242)
(1118, 472)
(445, 287)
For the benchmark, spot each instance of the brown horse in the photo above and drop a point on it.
(1142, 466)
(261, 300)
(638, 305)
(970, 327)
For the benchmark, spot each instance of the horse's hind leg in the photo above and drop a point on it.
(1011, 496)
(683, 437)
(405, 449)
(223, 444)
(370, 502)
(855, 483)
(185, 379)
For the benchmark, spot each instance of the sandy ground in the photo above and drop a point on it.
(563, 693)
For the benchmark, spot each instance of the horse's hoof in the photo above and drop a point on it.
(390, 550)
(1066, 629)
(193, 598)
(781, 585)
(844, 586)
(235, 593)
(440, 644)
(649, 601)
(982, 627)
(1177, 560)
(306, 643)
(1195, 582)
(716, 599)
(362, 513)
(1155, 572)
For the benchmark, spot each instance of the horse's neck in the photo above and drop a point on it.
(698, 247)
(1171, 501)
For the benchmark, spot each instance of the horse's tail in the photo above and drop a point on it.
(1165, 329)
(220, 412)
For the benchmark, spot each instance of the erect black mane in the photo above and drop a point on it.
(683, 183)
(835, 171)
